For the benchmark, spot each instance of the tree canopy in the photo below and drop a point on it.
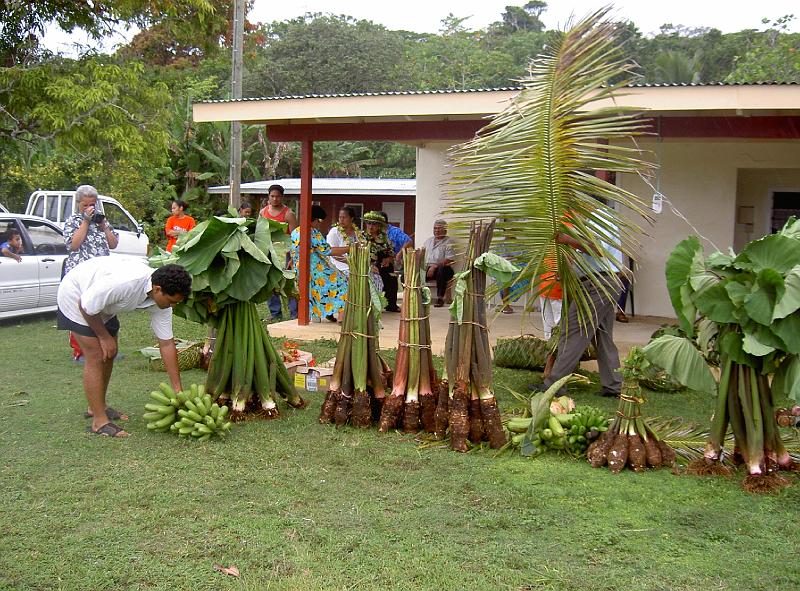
(123, 121)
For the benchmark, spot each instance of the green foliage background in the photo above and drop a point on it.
(123, 121)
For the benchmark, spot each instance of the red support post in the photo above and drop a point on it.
(304, 272)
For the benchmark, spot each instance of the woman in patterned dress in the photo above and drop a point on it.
(327, 286)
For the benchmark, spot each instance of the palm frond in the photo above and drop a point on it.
(689, 439)
(531, 166)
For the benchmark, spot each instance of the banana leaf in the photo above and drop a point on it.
(231, 259)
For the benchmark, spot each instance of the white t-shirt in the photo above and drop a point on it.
(335, 239)
(108, 286)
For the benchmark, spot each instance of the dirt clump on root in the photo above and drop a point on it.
(344, 406)
(411, 417)
(427, 405)
(764, 483)
(706, 467)
(361, 414)
(492, 423)
(459, 418)
(441, 417)
(476, 431)
(390, 413)
(328, 410)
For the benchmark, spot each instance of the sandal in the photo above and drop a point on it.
(112, 413)
(108, 430)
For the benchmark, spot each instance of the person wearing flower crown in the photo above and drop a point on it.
(381, 254)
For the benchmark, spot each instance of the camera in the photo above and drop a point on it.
(98, 218)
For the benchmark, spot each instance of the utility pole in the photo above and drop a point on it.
(236, 93)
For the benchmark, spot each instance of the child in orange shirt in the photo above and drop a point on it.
(178, 223)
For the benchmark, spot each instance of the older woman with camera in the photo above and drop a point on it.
(87, 234)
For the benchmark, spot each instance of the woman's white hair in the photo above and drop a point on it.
(85, 191)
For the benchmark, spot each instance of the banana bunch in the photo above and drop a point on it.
(188, 412)
(202, 419)
(162, 412)
(570, 432)
(584, 426)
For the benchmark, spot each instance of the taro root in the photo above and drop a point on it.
(629, 440)
(357, 387)
(618, 453)
(468, 360)
(637, 456)
(412, 396)
(653, 452)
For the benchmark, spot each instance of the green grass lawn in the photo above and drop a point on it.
(298, 505)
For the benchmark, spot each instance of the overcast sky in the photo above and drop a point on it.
(425, 16)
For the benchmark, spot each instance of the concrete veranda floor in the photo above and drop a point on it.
(636, 332)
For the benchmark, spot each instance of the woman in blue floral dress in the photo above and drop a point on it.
(328, 287)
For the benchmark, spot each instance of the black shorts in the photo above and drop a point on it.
(64, 323)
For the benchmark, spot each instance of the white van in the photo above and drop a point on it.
(57, 206)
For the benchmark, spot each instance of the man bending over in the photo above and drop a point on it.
(90, 297)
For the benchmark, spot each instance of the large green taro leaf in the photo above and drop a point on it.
(681, 359)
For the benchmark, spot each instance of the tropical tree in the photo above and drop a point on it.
(673, 67)
(25, 23)
(773, 57)
(532, 165)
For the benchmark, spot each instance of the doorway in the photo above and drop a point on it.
(784, 205)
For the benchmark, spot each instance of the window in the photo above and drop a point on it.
(66, 207)
(45, 238)
(38, 208)
(52, 207)
(359, 209)
(5, 226)
(118, 218)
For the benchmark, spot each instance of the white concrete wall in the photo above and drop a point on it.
(431, 176)
(700, 178)
(754, 189)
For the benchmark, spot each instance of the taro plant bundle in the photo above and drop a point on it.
(630, 441)
(236, 263)
(415, 381)
(749, 310)
(473, 407)
(360, 376)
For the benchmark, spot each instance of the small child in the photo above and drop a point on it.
(12, 247)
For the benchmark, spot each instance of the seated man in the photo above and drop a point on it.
(439, 259)
(12, 247)
(89, 299)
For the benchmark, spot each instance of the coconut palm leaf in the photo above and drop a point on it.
(532, 165)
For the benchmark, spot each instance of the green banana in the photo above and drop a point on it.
(167, 390)
(160, 398)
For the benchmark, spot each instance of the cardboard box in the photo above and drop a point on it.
(313, 379)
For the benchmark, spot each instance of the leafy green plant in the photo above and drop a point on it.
(749, 305)
(236, 263)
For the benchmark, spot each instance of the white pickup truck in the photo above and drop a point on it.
(57, 206)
